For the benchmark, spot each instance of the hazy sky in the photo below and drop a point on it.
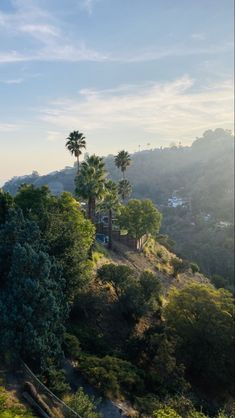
(124, 72)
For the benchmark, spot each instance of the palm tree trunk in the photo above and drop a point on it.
(110, 229)
(78, 165)
(93, 206)
(89, 213)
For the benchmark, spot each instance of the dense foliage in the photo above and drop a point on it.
(202, 320)
(64, 229)
(44, 245)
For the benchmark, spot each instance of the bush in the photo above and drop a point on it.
(83, 405)
(115, 378)
(56, 381)
(179, 266)
(194, 267)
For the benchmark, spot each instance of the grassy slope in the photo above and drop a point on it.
(155, 257)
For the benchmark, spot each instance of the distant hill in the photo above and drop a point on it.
(193, 187)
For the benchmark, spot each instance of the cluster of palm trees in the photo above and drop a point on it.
(91, 182)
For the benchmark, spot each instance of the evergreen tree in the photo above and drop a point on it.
(32, 305)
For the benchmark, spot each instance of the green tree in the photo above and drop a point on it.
(90, 184)
(16, 229)
(140, 217)
(64, 229)
(201, 319)
(110, 204)
(32, 306)
(36, 203)
(70, 236)
(124, 189)
(6, 202)
(75, 143)
(122, 161)
(154, 350)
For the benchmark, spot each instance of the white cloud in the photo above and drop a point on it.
(160, 110)
(154, 54)
(13, 81)
(12, 56)
(53, 43)
(41, 31)
(8, 127)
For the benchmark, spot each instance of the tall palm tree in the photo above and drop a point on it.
(75, 143)
(122, 161)
(109, 204)
(90, 184)
(124, 189)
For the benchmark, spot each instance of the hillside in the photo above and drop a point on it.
(155, 258)
(136, 327)
(193, 187)
(202, 172)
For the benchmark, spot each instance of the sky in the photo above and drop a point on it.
(126, 73)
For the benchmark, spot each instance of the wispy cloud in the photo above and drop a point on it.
(88, 5)
(164, 110)
(13, 81)
(52, 42)
(12, 56)
(155, 54)
(9, 127)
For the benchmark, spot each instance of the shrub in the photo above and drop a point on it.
(194, 267)
(114, 377)
(56, 381)
(179, 266)
(83, 405)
